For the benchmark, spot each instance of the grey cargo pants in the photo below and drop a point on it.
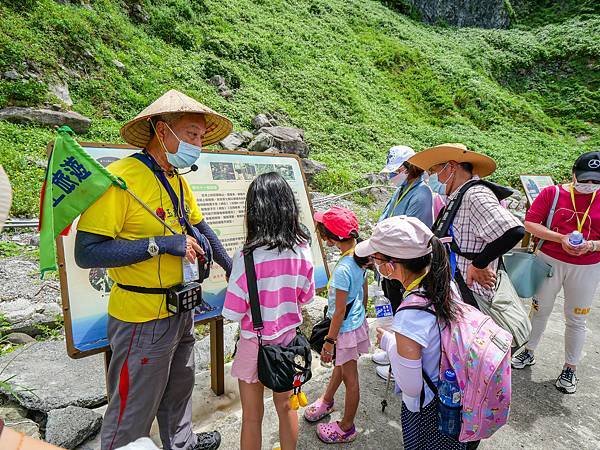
(151, 374)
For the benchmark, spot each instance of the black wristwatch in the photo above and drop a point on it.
(329, 340)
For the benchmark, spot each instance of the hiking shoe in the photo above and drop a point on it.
(522, 360)
(208, 441)
(383, 372)
(567, 381)
(381, 358)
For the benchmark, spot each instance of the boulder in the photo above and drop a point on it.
(312, 314)
(61, 91)
(464, 13)
(261, 142)
(70, 426)
(233, 141)
(23, 316)
(19, 338)
(118, 64)
(259, 121)
(249, 136)
(202, 346)
(45, 378)
(46, 117)
(138, 13)
(15, 417)
(11, 75)
(376, 178)
(312, 168)
(217, 80)
(288, 140)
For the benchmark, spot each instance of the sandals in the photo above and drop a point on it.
(331, 433)
(317, 410)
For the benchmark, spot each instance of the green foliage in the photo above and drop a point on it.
(51, 332)
(356, 75)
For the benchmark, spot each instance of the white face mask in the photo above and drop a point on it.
(586, 188)
(399, 179)
(377, 268)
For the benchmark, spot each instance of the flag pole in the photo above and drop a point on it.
(147, 208)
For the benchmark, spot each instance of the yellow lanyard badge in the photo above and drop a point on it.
(581, 223)
(414, 284)
(346, 253)
(408, 188)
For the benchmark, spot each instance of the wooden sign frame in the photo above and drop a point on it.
(216, 323)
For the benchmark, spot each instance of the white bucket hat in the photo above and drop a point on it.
(401, 237)
(396, 157)
(5, 197)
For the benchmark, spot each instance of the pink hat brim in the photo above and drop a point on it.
(319, 216)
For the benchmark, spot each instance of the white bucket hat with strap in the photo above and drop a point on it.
(138, 133)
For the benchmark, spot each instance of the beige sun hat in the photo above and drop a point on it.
(483, 165)
(5, 197)
(137, 131)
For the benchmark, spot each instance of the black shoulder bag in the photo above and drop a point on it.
(320, 330)
(280, 368)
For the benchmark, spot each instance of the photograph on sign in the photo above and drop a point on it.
(533, 184)
(219, 185)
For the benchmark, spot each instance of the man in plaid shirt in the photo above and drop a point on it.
(482, 227)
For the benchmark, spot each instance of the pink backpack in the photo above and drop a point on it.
(478, 351)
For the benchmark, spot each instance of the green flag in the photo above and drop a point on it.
(74, 180)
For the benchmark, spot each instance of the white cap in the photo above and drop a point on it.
(401, 237)
(396, 156)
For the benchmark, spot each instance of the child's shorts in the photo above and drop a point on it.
(245, 361)
(351, 344)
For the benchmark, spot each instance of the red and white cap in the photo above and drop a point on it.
(401, 237)
(340, 221)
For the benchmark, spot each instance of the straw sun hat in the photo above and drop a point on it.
(137, 131)
(5, 197)
(482, 165)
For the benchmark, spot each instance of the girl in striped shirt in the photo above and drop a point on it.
(284, 273)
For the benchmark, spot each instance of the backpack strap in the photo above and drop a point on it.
(550, 215)
(428, 381)
(257, 322)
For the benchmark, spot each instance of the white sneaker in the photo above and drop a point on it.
(383, 371)
(566, 381)
(381, 358)
(522, 360)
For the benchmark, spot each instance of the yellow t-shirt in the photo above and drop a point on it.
(118, 215)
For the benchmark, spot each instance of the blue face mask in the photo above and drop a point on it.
(187, 154)
(437, 186)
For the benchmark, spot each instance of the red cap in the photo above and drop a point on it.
(340, 221)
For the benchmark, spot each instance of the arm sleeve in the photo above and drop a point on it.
(499, 247)
(95, 250)
(421, 205)
(341, 278)
(219, 252)
(408, 373)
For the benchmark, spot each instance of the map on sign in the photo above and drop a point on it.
(220, 185)
(533, 184)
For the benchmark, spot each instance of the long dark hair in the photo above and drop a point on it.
(437, 282)
(365, 262)
(272, 215)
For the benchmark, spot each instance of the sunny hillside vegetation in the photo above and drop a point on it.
(358, 76)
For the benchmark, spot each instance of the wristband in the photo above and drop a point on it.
(329, 340)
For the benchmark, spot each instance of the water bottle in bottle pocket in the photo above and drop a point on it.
(449, 406)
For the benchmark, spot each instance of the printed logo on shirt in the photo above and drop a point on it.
(582, 311)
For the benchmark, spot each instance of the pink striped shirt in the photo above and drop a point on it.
(285, 282)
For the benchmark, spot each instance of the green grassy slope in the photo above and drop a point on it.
(356, 75)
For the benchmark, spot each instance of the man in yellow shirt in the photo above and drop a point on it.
(150, 247)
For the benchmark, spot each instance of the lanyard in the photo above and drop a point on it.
(400, 197)
(346, 253)
(414, 284)
(581, 223)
